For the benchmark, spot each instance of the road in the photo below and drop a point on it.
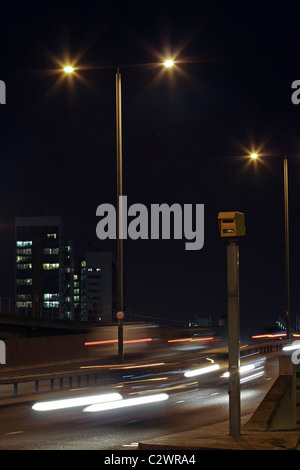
(23, 428)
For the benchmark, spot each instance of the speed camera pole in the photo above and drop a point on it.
(231, 226)
(233, 337)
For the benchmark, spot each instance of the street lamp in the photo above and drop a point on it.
(169, 63)
(287, 243)
(120, 315)
(254, 156)
(68, 69)
(119, 215)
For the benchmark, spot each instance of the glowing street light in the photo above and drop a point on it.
(253, 156)
(169, 63)
(68, 69)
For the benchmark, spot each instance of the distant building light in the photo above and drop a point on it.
(24, 243)
(49, 304)
(49, 266)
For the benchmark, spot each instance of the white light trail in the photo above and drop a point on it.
(127, 402)
(73, 402)
(292, 347)
(201, 371)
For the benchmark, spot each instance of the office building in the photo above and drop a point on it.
(97, 287)
(44, 268)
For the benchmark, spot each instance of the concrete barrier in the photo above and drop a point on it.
(44, 350)
(279, 409)
(27, 352)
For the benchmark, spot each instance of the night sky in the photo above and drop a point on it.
(187, 134)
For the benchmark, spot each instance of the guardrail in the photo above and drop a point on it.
(267, 347)
(74, 378)
(93, 375)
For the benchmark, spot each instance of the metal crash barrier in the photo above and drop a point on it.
(94, 375)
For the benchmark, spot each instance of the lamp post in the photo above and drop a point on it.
(254, 156)
(168, 63)
(287, 246)
(119, 214)
(120, 315)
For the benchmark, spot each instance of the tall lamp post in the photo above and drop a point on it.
(120, 314)
(254, 156)
(287, 245)
(168, 63)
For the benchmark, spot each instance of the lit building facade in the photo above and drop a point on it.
(44, 268)
(97, 287)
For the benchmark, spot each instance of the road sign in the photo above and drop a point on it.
(120, 315)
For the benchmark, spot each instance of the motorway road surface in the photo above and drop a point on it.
(23, 428)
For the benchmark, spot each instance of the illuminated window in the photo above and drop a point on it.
(51, 296)
(22, 259)
(49, 304)
(24, 243)
(51, 235)
(51, 251)
(50, 266)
